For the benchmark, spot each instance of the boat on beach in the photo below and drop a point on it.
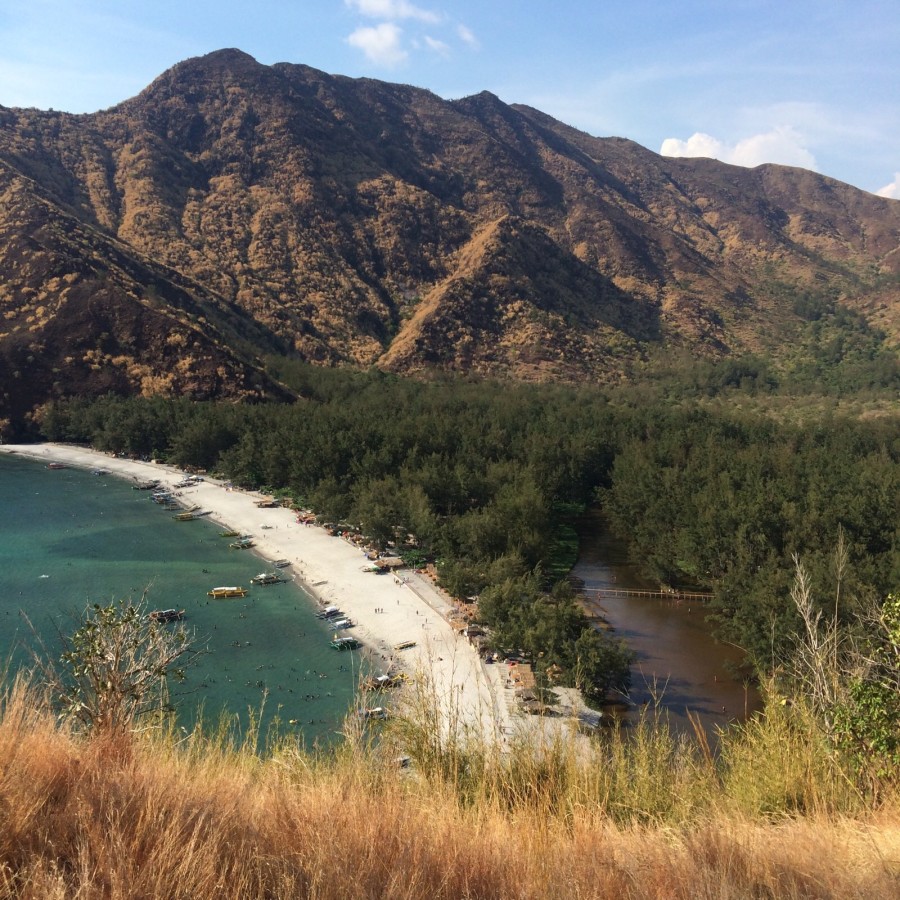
(219, 593)
(57, 465)
(166, 615)
(281, 563)
(242, 543)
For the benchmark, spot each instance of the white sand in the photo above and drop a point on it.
(387, 609)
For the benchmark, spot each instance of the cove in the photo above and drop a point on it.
(69, 539)
(678, 660)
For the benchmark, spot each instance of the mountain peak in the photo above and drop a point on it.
(246, 209)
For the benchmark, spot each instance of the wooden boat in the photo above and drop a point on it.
(57, 466)
(242, 543)
(281, 563)
(229, 533)
(166, 615)
(345, 643)
(221, 592)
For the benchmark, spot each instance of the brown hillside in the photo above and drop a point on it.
(360, 222)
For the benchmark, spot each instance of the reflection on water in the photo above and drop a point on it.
(678, 660)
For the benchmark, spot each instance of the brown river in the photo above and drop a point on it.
(678, 660)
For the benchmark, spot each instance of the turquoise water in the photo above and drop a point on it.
(69, 538)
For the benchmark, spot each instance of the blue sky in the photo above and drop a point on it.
(814, 84)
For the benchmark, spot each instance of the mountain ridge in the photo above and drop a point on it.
(344, 220)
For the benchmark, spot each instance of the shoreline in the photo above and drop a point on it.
(388, 610)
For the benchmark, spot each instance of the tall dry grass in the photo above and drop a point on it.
(647, 816)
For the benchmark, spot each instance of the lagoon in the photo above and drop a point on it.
(69, 538)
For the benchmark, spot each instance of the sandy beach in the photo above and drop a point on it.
(387, 609)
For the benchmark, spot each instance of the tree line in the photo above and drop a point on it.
(483, 474)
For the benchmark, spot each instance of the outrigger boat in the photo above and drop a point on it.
(166, 615)
(267, 578)
(222, 592)
(345, 643)
(190, 515)
(242, 543)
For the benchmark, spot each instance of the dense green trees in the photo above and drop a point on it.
(483, 474)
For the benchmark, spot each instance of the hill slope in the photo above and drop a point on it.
(355, 221)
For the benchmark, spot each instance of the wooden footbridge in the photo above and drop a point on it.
(621, 593)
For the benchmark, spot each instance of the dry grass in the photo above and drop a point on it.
(650, 817)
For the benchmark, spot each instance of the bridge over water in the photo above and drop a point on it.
(621, 593)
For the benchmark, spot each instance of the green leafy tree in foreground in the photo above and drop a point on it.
(115, 667)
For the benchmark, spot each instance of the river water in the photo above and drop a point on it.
(678, 660)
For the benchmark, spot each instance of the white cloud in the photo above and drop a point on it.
(892, 190)
(392, 10)
(467, 37)
(381, 44)
(783, 145)
(437, 46)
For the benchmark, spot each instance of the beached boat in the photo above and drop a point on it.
(57, 466)
(229, 533)
(345, 643)
(382, 682)
(242, 543)
(166, 615)
(338, 624)
(281, 563)
(221, 592)
(146, 485)
(329, 612)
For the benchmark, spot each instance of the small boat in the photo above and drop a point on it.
(281, 563)
(267, 578)
(166, 615)
(145, 485)
(99, 472)
(329, 612)
(404, 645)
(345, 643)
(57, 466)
(221, 592)
(338, 624)
(242, 543)
(377, 712)
(229, 533)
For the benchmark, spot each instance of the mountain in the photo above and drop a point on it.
(233, 209)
